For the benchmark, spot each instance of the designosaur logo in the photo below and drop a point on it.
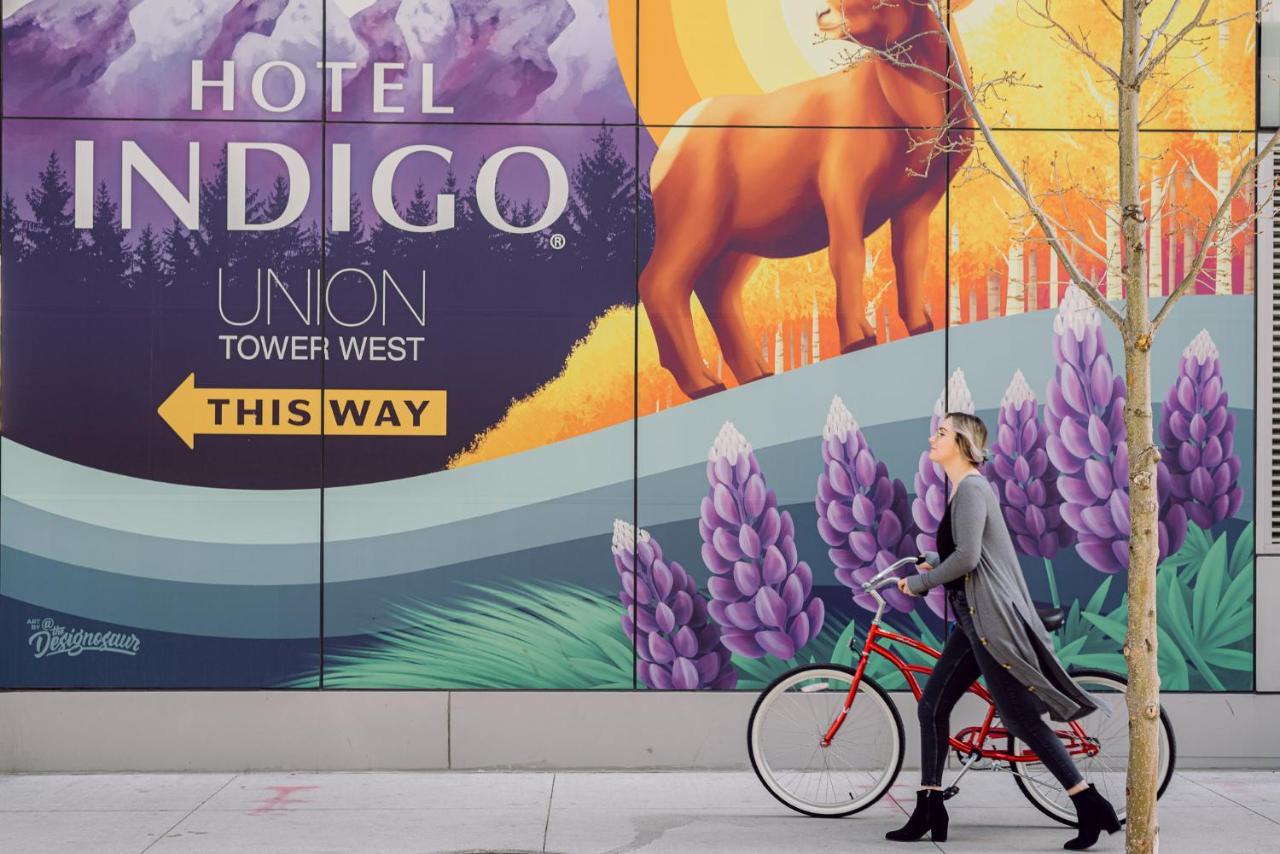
(48, 638)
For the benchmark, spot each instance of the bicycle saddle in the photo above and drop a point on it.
(1052, 617)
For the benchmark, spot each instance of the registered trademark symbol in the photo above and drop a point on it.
(557, 241)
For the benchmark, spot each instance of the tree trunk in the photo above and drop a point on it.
(1142, 830)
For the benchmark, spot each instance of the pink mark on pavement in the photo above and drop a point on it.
(280, 800)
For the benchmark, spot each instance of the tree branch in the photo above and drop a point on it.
(1154, 62)
(1113, 13)
(1080, 43)
(1156, 33)
(1211, 235)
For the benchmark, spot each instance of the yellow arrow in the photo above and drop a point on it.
(191, 411)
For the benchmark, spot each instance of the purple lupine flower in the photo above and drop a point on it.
(862, 514)
(1198, 433)
(677, 646)
(1084, 414)
(760, 590)
(1024, 481)
(1087, 443)
(930, 502)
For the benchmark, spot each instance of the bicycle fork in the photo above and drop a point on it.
(830, 734)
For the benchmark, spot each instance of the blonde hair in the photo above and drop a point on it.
(971, 436)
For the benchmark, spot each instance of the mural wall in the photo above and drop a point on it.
(582, 344)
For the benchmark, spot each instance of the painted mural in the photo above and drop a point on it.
(582, 344)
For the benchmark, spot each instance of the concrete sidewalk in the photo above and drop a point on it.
(1220, 811)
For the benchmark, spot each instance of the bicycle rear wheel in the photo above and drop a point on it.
(1105, 769)
(786, 728)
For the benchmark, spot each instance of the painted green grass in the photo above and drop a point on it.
(517, 635)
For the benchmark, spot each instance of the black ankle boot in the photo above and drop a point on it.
(1094, 814)
(929, 816)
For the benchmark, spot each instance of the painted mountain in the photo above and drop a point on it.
(496, 60)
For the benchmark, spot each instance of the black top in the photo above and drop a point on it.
(946, 545)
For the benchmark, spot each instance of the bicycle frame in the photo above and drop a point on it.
(971, 740)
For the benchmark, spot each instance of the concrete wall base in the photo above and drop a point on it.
(417, 730)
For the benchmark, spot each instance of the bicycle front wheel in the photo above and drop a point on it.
(784, 741)
(1106, 769)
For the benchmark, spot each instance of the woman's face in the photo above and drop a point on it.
(942, 444)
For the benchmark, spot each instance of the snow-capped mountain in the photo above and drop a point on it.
(494, 59)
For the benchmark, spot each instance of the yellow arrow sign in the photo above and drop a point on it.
(192, 411)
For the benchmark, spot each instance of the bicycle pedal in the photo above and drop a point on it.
(950, 792)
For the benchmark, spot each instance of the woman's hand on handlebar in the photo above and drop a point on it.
(902, 582)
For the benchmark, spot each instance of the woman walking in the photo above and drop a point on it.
(999, 636)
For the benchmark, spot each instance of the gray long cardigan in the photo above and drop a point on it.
(1000, 604)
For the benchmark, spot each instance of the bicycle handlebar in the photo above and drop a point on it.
(882, 578)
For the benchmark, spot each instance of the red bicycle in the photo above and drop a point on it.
(827, 740)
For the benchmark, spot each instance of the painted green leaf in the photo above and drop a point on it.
(1232, 633)
(1231, 659)
(1113, 628)
(1071, 649)
(1099, 596)
(841, 653)
(1193, 550)
(1173, 606)
(1112, 661)
(1208, 586)
(1236, 603)
(1169, 658)
(1242, 551)
(1208, 606)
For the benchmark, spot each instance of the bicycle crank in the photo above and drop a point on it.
(953, 790)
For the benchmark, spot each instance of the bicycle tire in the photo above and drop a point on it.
(1069, 820)
(869, 684)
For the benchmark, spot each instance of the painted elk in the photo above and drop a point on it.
(781, 174)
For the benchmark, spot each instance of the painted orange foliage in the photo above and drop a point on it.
(1061, 89)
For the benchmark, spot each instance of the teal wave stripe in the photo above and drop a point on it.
(885, 385)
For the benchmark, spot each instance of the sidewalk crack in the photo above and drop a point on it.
(1227, 797)
(189, 814)
(546, 825)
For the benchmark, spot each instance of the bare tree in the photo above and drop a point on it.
(1151, 33)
